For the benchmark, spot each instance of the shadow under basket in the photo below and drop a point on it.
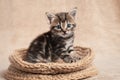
(23, 70)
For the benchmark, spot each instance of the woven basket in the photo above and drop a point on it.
(15, 74)
(23, 70)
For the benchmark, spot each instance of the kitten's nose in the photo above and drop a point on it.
(64, 32)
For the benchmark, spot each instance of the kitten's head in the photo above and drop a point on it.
(62, 24)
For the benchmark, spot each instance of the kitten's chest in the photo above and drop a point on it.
(68, 43)
(62, 43)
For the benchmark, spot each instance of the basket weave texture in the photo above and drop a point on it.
(23, 70)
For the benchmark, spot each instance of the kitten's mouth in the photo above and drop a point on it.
(64, 33)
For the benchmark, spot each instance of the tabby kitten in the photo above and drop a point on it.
(57, 42)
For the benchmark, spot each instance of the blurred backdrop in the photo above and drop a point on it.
(98, 27)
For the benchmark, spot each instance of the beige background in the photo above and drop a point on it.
(98, 27)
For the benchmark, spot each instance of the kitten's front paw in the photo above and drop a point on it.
(69, 59)
(75, 55)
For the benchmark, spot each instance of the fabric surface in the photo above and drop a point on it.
(98, 27)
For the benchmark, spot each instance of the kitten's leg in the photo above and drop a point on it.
(35, 57)
(30, 58)
(70, 49)
(70, 56)
(73, 54)
(36, 51)
(63, 54)
(66, 57)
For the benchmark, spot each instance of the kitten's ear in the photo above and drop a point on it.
(73, 12)
(50, 16)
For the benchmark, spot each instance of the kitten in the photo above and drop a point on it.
(57, 42)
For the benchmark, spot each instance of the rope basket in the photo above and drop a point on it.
(23, 70)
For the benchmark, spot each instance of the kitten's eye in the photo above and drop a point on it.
(69, 26)
(58, 27)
